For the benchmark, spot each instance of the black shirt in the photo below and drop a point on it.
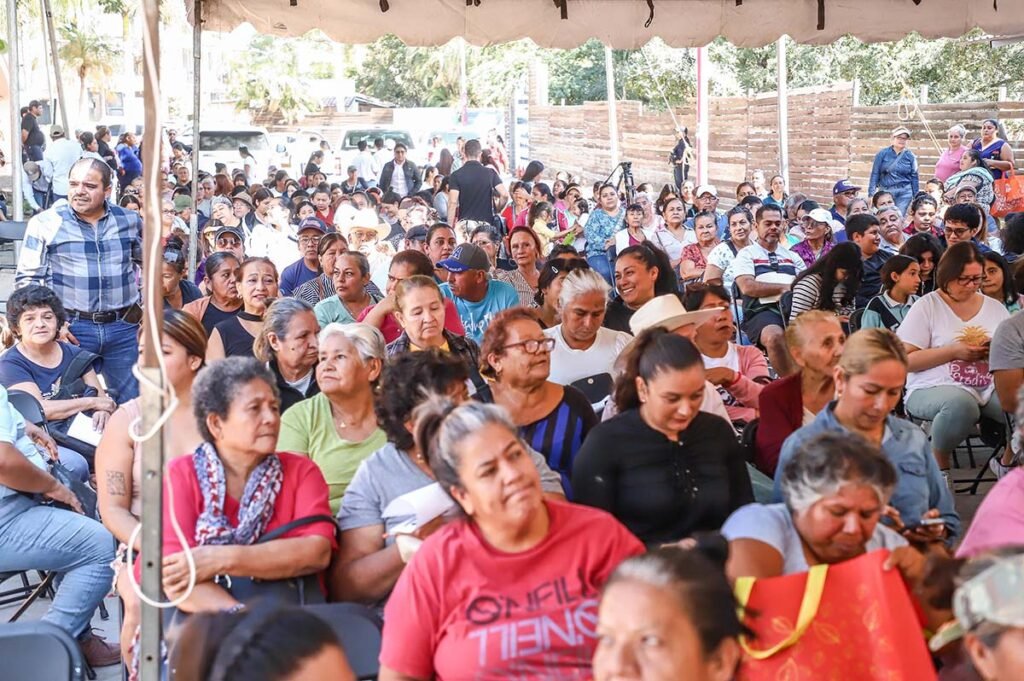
(214, 316)
(663, 491)
(871, 278)
(617, 315)
(237, 341)
(475, 184)
(36, 138)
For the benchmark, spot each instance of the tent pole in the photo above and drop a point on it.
(703, 134)
(783, 107)
(12, 79)
(197, 52)
(46, 57)
(152, 384)
(613, 117)
(61, 102)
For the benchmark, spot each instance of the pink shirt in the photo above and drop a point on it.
(390, 329)
(949, 163)
(464, 610)
(1000, 518)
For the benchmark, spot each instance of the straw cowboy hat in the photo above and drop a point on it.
(365, 219)
(667, 312)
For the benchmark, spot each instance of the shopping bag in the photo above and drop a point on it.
(1009, 193)
(846, 622)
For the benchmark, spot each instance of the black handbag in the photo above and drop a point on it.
(303, 590)
(86, 495)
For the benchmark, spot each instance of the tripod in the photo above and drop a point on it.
(625, 184)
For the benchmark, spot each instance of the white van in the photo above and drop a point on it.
(220, 145)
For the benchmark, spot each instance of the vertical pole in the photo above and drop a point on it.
(613, 116)
(152, 386)
(197, 52)
(463, 84)
(62, 103)
(783, 106)
(46, 56)
(856, 92)
(703, 133)
(12, 67)
(924, 94)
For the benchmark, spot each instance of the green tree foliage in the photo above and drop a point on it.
(91, 55)
(266, 77)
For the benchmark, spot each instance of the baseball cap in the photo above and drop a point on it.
(229, 230)
(901, 130)
(466, 257)
(56, 130)
(844, 186)
(417, 233)
(220, 201)
(820, 215)
(182, 202)
(312, 223)
(244, 198)
(991, 596)
(352, 169)
(966, 186)
(706, 189)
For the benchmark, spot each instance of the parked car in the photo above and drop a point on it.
(294, 149)
(220, 145)
(348, 144)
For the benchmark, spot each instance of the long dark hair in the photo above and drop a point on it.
(653, 351)
(845, 256)
(1010, 295)
(652, 256)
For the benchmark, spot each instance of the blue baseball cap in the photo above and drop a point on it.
(466, 257)
(844, 186)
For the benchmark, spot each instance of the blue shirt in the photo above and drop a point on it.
(91, 269)
(894, 172)
(476, 316)
(16, 368)
(721, 219)
(600, 227)
(12, 431)
(919, 483)
(294, 276)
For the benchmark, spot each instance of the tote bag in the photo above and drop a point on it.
(1009, 193)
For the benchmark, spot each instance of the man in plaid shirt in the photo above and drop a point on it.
(86, 251)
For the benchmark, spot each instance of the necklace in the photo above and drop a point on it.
(249, 316)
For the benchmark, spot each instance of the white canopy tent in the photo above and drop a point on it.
(621, 24)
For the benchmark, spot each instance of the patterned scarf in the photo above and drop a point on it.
(255, 507)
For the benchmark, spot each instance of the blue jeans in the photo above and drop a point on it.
(74, 462)
(37, 537)
(602, 265)
(117, 345)
(953, 413)
(902, 196)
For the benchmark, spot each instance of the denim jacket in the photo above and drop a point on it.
(919, 484)
(901, 175)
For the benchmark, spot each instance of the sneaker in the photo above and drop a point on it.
(999, 468)
(98, 652)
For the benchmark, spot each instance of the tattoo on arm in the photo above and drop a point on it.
(116, 484)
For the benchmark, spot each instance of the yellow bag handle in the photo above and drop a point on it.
(808, 609)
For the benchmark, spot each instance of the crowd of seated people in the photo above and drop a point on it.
(611, 419)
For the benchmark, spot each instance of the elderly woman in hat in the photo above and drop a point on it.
(365, 232)
(895, 170)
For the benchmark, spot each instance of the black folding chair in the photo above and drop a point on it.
(856, 319)
(31, 409)
(359, 629)
(40, 650)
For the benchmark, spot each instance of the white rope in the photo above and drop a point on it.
(661, 91)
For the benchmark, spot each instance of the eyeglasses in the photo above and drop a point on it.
(533, 345)
(228, 243)
(559, 265)
(168, 211)
(958, 232)
(970, 281)
(309, 239)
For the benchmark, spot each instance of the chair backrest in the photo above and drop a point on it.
(786, 307)
(595, 388)
(39, 650)
(359, 629)
(856, 318)
(28, 406)
(748, 439)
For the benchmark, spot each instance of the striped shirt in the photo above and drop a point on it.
(807, 296)
(91, 269)
(764, 265)
(559, 435)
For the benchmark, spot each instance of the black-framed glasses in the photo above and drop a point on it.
(315, 239)
(958, 232)
(533, 345)
(970, 281)
(773, 261)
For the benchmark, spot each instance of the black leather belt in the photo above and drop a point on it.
(131, 314)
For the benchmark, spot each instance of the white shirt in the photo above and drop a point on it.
(569, 365)
(398, 183)
(58, 158)
(930, 323)
(267, 242)
(366, 166)
(380, 157)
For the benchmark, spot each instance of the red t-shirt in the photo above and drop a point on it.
(464, 610)
(303, 493)
(390, 329)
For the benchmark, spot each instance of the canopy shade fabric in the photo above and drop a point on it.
(619, 23)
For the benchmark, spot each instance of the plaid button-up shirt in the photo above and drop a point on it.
(91, 269)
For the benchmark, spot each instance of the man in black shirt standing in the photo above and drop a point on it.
(32, 138)
(471, 190)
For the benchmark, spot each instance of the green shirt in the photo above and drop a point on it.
(308, 428)
(332, 310)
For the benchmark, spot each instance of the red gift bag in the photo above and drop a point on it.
(846, 622)
(1009, 193)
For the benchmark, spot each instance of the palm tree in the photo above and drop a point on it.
(91, 56)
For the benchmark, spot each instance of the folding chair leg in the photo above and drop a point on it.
(32, 597)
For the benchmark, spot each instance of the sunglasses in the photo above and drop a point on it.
(559, 265)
